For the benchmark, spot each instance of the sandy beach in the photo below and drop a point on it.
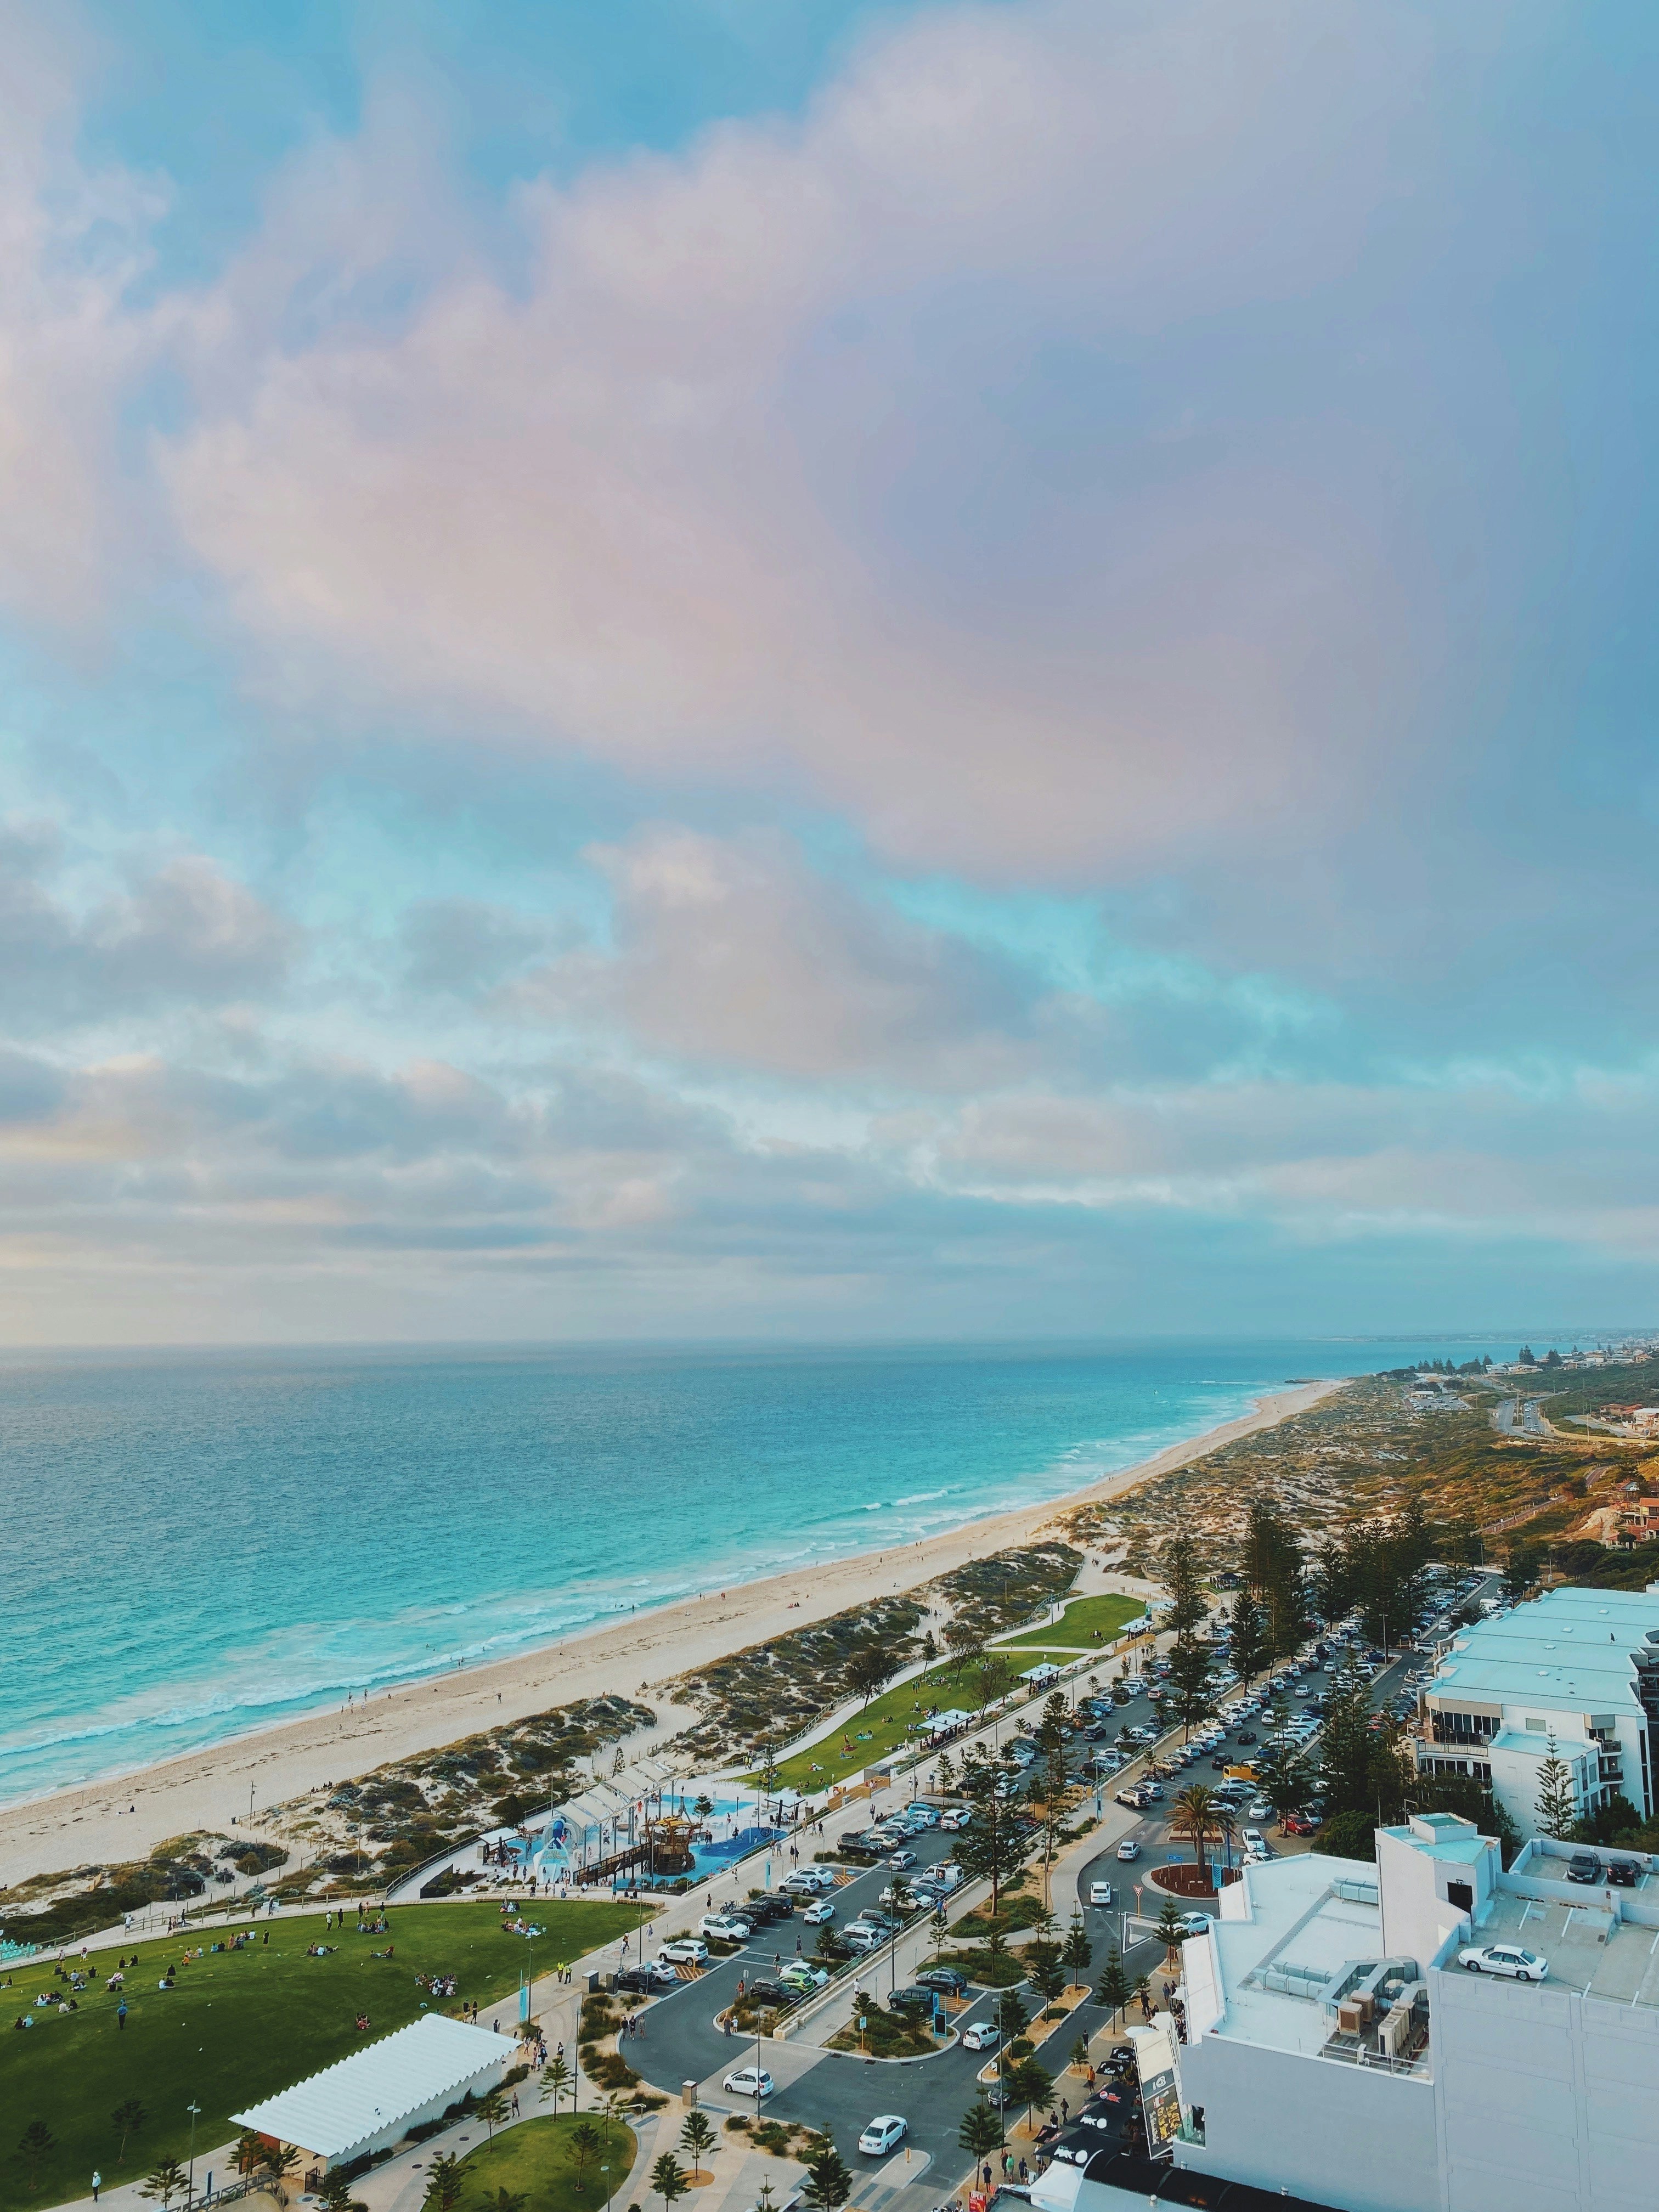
(125, 1817)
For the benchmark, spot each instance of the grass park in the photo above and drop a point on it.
(239, 2026)
(1087, 1622)
(538, 2163)
(889, 1722)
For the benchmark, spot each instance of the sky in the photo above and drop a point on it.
(694, 669)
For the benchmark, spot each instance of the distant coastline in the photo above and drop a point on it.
(90, 1821)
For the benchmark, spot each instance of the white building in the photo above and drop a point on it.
(371, 2101)
(1336, 2051)
(1579, 1666)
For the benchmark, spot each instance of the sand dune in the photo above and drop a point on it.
(92, 1822)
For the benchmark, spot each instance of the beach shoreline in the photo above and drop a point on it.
(90, 1823)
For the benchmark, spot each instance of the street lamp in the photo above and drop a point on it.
(192, 2108)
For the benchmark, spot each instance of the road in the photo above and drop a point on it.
(839, 2092)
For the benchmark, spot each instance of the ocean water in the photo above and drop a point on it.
(195, 1545)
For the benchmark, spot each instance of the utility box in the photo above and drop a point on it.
(688, 2093)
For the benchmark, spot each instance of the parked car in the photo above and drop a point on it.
(1129, 1849)
(1624, 1873)
(1507, 1959)
(803, 1976)
(770, 1905)
(900, 1860)
(685, 1951)
(1252, 1839)
(1583, 1865)
(912, 1998)
(749, 2082)
(816, 1915)
(648, 1978)
(1194, 1923)
(955, 1816)
(859, 1935)
(770, 1992)
(1136, 1799)
(883, 2132)
(922, 1816)
(815, 1881)
(1298, 1824)
(945, 1979)
(1247, 1735)
(981, 2035)
(1100, 1892)
(726, 1927)
(1260, 1810)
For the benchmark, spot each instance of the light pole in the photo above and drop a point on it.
(192, 2108)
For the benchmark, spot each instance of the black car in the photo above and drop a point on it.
(915, 1998)
(771, 1993)
(945, 1979)
(1222, 1761)
(1247, 1735)
(646, 1980)
(1583, 1865)
(767, 1907)
(1623, 1874)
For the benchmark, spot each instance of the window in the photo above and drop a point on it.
(1461, 1895)
(1537, 1726)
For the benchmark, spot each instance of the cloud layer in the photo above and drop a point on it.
(1019, 698)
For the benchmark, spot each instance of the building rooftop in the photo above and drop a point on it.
(1587, 1948)
(1295, 1926)
(1571, 1648)
(358, 2099)
(1449, 1840)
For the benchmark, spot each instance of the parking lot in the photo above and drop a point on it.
(840, 2092)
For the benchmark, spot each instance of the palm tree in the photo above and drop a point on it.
(1194, 1818)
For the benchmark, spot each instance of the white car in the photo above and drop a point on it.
(799, 1975)
(1254, 1839)
(983, 2035)
(900, 1860)
(1504, 1958)
(1100, 1892)
(726, 1927)
(922, 1816)
(883, 2132)
(685, 1951)
(816, 1881)
(749, 2082)
(955, 1816)
(859, 1935)
(816, 1915)
(1194, 1923)
(1129, 1849)
(1260, 1810)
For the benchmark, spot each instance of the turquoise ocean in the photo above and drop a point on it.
(199, 1544)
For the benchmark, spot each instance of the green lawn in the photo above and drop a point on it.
(280, 2016)
(535, 2161)
(1084, 1620)
(886, 1724)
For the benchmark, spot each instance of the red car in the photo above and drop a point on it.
(1298, 1824)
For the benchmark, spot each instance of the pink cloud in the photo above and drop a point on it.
(630, 504)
